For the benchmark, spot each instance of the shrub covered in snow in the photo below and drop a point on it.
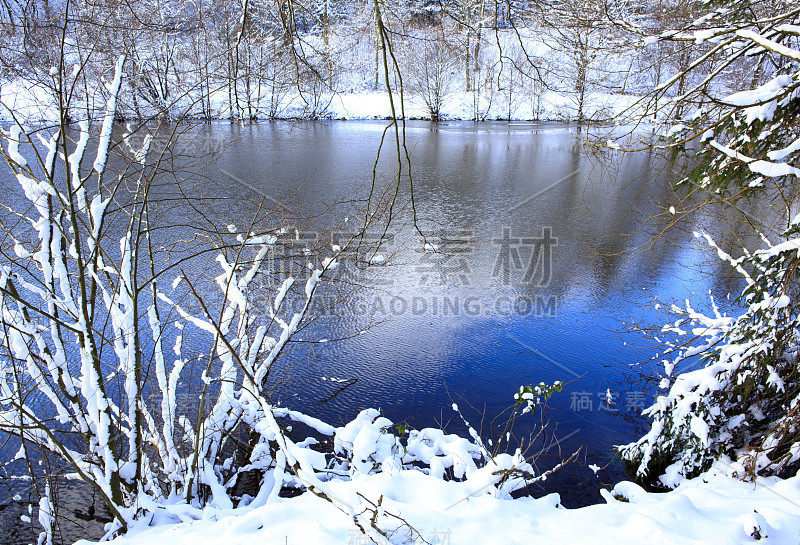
(744, 402)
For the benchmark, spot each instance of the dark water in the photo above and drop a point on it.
(541, 255)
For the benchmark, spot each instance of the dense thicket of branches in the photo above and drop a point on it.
(257, 59)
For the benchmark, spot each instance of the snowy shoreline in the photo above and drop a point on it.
(32, 103)
(712, 508)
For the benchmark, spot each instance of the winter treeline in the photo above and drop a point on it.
(258, 59)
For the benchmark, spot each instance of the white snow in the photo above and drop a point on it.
(777, 155)
(14, 140)
(700, 429)
(765, 168)
(108, 119)
(769, 44)
(713, 508)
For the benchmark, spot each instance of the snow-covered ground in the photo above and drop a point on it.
(713, 508)
(552, 106)
(33, 103)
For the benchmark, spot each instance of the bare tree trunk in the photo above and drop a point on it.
(467, 63)
(378, 49)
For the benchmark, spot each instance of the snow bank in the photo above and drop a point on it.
(33, 104)
(713, 508)
(552, 106)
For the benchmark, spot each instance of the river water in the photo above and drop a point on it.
(525, 262)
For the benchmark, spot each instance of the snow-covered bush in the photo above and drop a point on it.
(85, 374)
(371, 444)
(743, 402)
